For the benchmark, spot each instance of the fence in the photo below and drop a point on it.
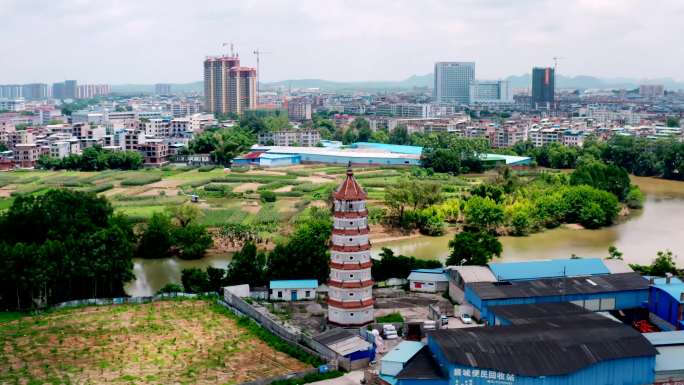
(121, 300)
(286, 332)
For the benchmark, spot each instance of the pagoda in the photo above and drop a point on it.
(350, 287)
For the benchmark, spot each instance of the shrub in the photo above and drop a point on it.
(390, 318)
(99, 188)
(206, 168)
(635, 198)
(267, 196)
(171, 288)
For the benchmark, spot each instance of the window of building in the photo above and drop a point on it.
(280, 294)
(351, 293)
(307, 293)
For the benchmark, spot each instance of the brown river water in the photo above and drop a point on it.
(658, 226)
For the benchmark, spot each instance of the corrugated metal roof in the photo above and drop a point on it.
(510, 271)
(559, 286)
(542, 349)
(475, 273)
(674, 289)
(616, 266)
(266, 155)
(429, 277)
(423, 366)
(294, 284)
(666, 338)
(403, 352)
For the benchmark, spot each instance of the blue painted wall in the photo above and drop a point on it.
(334, 159)
(627, 371)
(623, 300)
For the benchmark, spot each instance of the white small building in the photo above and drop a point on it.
(292, 290)
(428, 280)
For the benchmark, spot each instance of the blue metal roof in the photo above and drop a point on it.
(396, 148)
(553, 268)
(267, 155)
(673, 289)
(403, 352)
(294, 284)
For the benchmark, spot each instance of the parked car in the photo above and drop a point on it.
(466, 319)
(444, 320)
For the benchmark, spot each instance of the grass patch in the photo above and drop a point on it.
(390, 318)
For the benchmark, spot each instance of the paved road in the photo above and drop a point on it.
(351, 378)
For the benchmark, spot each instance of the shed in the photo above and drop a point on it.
(349, 345)
(459, 276)
(395, 360)
(293, 290)
(669, 365)
(278, 160)
(428, 280)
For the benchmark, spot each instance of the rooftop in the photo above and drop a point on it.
(666, 338)
(350, 189)
(403, 352)
(542, 349)
(428, 276)
(342, 341)
(551, 268)
(539, 313)
(559, 286)
(475, 273)
(294, 284)
(674, 289)
(422, 366)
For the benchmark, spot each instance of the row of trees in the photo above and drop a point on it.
(449, 153)
(638, 156)
(60, 246)
(94, 159)
(223, 144)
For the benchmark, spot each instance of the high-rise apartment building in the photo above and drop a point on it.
(70, 89)
(452, 81)
(58, 90)
(10, 91)
(228, 88)
(34, 91)
(162, 89)
(543, 87)
(651, 90)
(299, 109)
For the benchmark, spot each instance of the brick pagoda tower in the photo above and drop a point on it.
(350, 295)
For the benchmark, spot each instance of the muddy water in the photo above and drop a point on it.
(659, 226)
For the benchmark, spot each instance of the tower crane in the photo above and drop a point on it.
(555, 62)
(258, 54)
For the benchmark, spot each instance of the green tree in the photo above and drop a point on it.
(170, 288)
(398, 266)
(478, 248)
(672, 121)
(305, 255)
(157, 238)
(412, 194)
(195, 280)
(614, 253)
(483, 213)
(380, 136)
(3, 147)
(247, 266)
(216, 278)
(635, 198)
(60, 246)
(664, 263)
(399, 135)
(191, 241)
(603, 177)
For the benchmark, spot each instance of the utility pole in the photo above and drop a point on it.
(258, 54)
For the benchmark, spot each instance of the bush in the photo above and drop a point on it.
(99, 188)
(171, 288)
(635, 198)
(141, 180)
(267, 196)
(206, 168)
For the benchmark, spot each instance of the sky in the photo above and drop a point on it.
(150, 41)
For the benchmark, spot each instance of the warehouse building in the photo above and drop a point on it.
(570, 347)
(595, 293)
(428, 280)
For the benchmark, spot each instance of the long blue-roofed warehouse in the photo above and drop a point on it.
(544, 345)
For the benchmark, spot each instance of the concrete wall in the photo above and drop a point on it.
(428, 286)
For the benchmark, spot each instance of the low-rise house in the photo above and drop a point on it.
(348, 345)
(428, 280)
(292, 290)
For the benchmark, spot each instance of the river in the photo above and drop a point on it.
(658, 226)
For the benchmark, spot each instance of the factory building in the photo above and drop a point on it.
(555, 345)
(666, 303)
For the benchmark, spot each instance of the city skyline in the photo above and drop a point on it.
(338, 40)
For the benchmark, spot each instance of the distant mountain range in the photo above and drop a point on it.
(420, 81)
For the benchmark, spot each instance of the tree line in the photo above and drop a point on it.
(93, 159)
(66, 245)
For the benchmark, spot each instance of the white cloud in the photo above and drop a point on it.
(155, 40)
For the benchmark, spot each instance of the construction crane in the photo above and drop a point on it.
(555, 62)
(258, 54)
(232, 48)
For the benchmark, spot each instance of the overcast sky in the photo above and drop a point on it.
(148, 41)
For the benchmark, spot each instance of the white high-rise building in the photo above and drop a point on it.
(452, 81)
(490, 91)
(350, 293)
